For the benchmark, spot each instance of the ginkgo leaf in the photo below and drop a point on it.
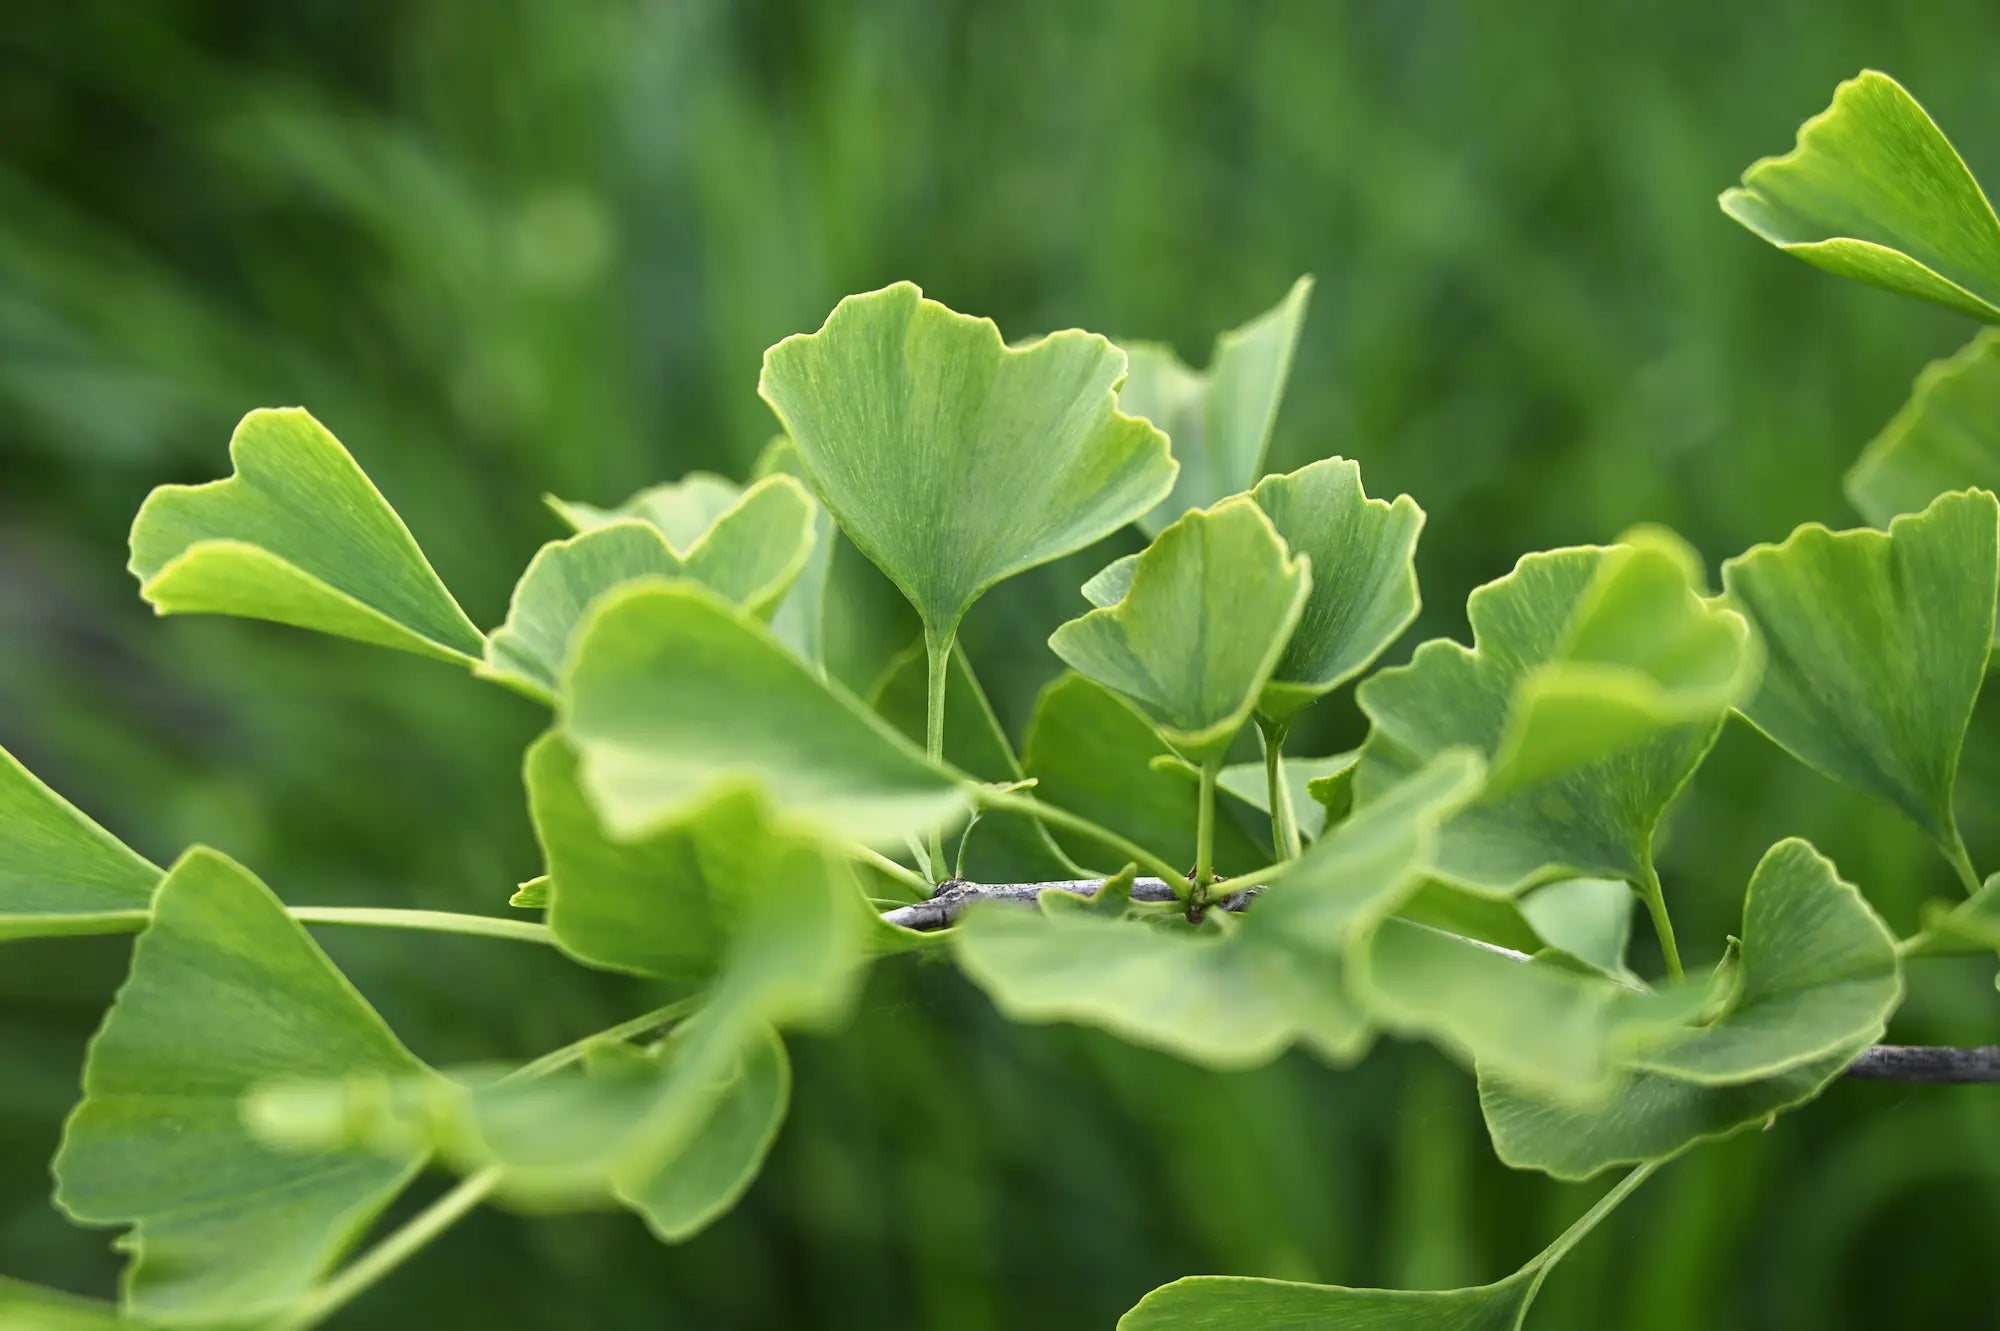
(1566, 1032)
(1248, 782)
(800, 619)
(226, 992)
(1228, 994)
(1230, 1303)
(1219, 420)
(952, 460)
(750, 556)
(1875, 192)
(298, 535)
(1541, 622)
(1946, 437)
(674, 902)
(636, 1126)
(1644, 651)
(1212, 602)
(1587, 918)
(682, 510)
(1000, 846)
(673, 694)
(1817, 973)
(1364, 578)
(1971, 925)
(60, 873)
(1089, 752)
(1877, 646)
(1650, 1118)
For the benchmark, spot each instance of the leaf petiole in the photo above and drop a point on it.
(1663, 925)
(1204, 831)
(996, 798)
(937, 663)
(427, 921)
(1284, 818)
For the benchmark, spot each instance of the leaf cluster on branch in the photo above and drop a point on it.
(717, 815)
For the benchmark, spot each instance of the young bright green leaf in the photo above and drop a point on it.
(1596, 819)
(1230, 994)
(1212, 604)
(673, 694)
(1233, 1303)
(676, 902)
(60, 873)
(1817, 973)
(1877, 646)
(226, 992)
(1643, 652)
(1000, 846)
(1651, 1117)
(952, 460)
(1364, 579)
(682, 510)
(1971, 925)
(575, 1138)
(298, 535)
(1091, 753)
(800, 619)
(1562, 1030)
(1875, 192)
(750, 556)
(1946, 437)
(1587, 918)
(531, 895)
(1247, 782)
(1218, 420)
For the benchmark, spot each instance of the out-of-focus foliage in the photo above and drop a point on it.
(516, 248)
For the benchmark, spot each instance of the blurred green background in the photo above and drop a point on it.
(508, 248)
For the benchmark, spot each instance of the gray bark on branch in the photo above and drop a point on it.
(1918, 1064)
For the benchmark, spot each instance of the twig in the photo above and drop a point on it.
(1923, 1064)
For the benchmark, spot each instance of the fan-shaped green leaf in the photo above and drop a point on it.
(673, 694)
(1877, 646)
(675, 902)
(1972, 925)
(226, 992)
(800, 620)
(952, 460)
(1566, 627)
(1652, 1117)
(60, 873)
(1229, 994)
(298, 535)
(1587, 918)
(1218, 420)
(682, 509)
(1875, 192)
(1817, 973)
(1090, 753)
(1211, 605)
(1946, 437)
(750, 556)
(1364, 580)
(677, 1143)
(1232, 1303)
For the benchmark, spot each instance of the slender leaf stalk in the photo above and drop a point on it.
(1204, 831)
(557, 1059)
(428, 921)
(1663, 925)
(1284, 818)
(1055, 816)
(909, 878)
(937, 661)
(391, 1252)
(1546, 1260)
(1962, 862)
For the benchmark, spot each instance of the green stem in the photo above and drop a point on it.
(1544, 1261)
(1060, 817)
(1284, 818)
(1663, 924)
(1204, 830)
(937, 659)
(1962, 862)
(557, 1059)
(429, 921)
(391, 1252)
(909, 878)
